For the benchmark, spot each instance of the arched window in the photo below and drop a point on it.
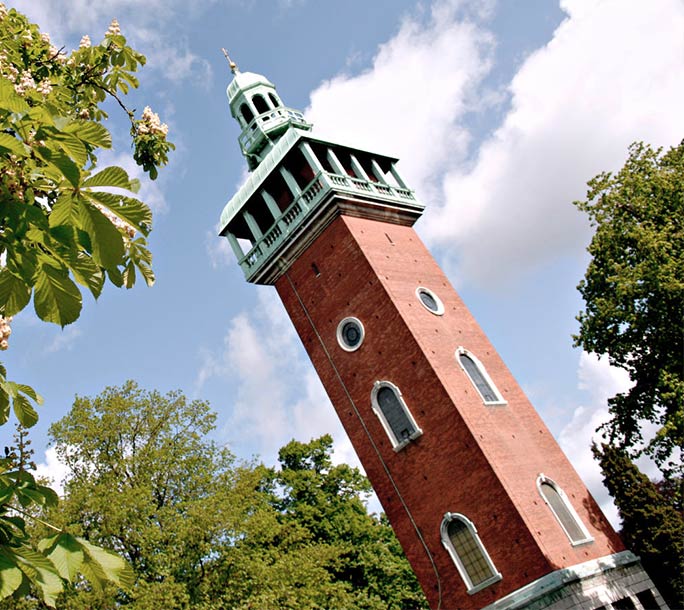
(561, 508)
(246, 113)
(479, 377)
(274, 100)
(460, 539)
(394, 415)
(260, 103)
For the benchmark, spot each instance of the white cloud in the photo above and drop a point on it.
(172, 57)
(53, 470)
(411, 101)
(610, 75)
(64, 340)
(279, 397)
(600, 381)
(148, 27)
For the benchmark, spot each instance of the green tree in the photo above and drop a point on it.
(204, 532)
(320, 548)
(651, 527)
(634, 298)
(60, 231)
(144, 481)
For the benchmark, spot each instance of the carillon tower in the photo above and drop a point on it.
(489, 511)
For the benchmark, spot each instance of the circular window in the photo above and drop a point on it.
(350, 334)
(430, 301)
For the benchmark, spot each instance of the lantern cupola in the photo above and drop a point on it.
(261, 114)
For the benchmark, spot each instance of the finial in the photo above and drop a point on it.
(233, 65)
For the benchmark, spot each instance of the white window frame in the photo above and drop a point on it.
(483, 371)
(438, 301)
(397, 444)
(446, 542)
(340, 340)
(573, 513)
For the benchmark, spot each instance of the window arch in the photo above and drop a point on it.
(564, 512)
(246, 113)
(394, 415)
(274, 100)
(260, 103)
(459, 537)
(478, 376)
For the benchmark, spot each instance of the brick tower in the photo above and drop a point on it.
(489, 511)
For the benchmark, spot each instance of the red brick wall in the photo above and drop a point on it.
(481, 461)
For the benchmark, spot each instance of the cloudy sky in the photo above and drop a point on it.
(500, 113)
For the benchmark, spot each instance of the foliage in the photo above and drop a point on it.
(204, 532)
(651, 526)
(62, 228)
(144, 481)
(58, 557)
(634, 297)
(320, 549)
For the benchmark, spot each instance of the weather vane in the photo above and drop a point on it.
(233, 65)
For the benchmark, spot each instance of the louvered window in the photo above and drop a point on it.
(395, 416)
(479, 378)
(461, 540)
(563, 511)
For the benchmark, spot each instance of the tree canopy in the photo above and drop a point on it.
(62, 229)
(634, 313)
(651, 526)
(204, 531)
(634, 298)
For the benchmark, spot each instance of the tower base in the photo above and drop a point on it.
(615, 582)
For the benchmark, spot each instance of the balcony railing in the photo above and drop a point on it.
(252, 135)
(312, 195)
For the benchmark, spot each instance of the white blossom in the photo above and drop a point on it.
(11, 72)
(114, 29)
(85, 42)
(150, 123)
(3, 11)
(45, 87)
(5, 332)
(25, 82)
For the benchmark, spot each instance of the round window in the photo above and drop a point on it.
(430, 301)
(350, 334)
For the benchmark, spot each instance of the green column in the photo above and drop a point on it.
(377, 171)
(311, 157)
(397, 177)
(253, 226)
(235, 246)
(290, 181)
(335, 162)
(358, 169)
(272, 205)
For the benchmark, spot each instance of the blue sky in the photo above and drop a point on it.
(499, 111)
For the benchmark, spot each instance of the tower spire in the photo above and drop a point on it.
(261, 114)
(233, 66)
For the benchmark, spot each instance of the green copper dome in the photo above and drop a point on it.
(261, 114)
